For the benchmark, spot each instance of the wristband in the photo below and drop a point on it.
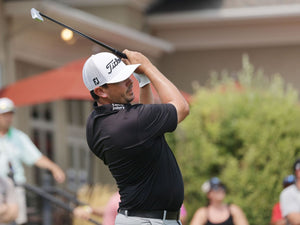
(142, 79)
(88, 209)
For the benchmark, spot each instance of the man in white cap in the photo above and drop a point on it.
(17, 148)
(130, 138)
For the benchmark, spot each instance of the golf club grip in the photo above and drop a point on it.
(115, 51)
(120, 54)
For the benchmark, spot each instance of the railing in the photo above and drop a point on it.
(45, 194)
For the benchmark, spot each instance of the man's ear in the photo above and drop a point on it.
(100, 91)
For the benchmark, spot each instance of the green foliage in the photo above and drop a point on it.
(245, 131)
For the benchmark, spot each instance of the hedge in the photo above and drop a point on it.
(245, 130)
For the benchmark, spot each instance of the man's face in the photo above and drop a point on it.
(6, 120)
(297, 174)
(120, 92)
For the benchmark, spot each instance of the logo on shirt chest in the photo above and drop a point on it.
(117, 107)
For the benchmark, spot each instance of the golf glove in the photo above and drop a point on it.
(142, 79)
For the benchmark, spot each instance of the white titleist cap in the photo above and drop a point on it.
(105, 68)
(6, 105)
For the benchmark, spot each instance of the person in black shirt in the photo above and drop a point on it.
(130, 138)
(217, 212)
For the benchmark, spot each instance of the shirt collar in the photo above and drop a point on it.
(109, 108)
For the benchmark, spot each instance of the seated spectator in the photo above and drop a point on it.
(8, 202)
(110, 211)
(290, 198)
(183, 215)
(277, 218)
(217, 211)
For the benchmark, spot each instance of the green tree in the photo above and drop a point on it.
(245, 131)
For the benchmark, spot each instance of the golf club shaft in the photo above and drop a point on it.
(115, 51)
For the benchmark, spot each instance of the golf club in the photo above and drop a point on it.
(38, 16)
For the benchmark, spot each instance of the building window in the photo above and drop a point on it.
(42, 133)
(76, 112)
(78, 163)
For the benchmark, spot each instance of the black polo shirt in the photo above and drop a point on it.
(130, 140)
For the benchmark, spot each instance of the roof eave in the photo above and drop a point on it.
(94, 26)
(225, 15)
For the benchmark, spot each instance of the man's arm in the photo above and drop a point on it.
(57, 172)
(167, 91)
(8, 212)
(293, 218)
(278, 222)
(146, 95)
(9, 209)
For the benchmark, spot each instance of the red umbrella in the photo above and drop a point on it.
(57, 84)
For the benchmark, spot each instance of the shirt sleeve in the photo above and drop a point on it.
(276, 213)
(288, 204)
(157, 119)
(30, 153)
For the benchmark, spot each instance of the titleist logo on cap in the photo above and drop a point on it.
(112, 64)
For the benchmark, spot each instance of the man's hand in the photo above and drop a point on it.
(8, 212)
(137, 58)
(58, 174)
(168, 93)
(83, 212)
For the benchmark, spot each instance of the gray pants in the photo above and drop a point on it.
(133, 220)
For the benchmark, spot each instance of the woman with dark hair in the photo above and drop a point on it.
(217, 212)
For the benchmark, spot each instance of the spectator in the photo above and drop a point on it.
(8, 202)
(218, 212)
(290, 198)
(17, 148)
(183, 215)
(110, 211)
(277, 218)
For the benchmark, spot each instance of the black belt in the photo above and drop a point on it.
(154, 214)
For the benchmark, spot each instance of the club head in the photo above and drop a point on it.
(36, 15)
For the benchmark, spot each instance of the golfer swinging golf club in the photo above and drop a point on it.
(130, 138)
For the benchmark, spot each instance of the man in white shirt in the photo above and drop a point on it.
(290, 198)
(17, 148)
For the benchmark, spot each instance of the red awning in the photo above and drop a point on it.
(57, 84)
